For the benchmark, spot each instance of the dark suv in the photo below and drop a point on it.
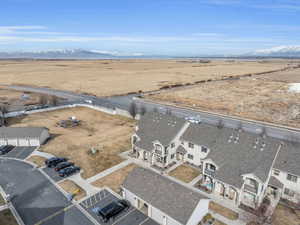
(52, 162)
(6, 149)
(112, 210)
(63, 165)
(68, 171)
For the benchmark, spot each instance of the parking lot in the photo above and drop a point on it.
(52, 174)
(20, 152)
(132, 216)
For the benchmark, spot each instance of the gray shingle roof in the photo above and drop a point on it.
(288, 159)
(21, 132)
(162, 193)
(275, 182)
(155, 126)
(234, 159)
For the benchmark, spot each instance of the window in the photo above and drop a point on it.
(289, 192)
(191, 145)
(172, 156)
(173, 145)
(276, 172)
(203, 149)
(190, 156)
(292, 178)
(158, 149)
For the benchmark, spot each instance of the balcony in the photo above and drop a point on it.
(250, 188)
(209, 172)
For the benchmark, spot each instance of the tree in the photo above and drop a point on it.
(43, 99)
(133, 109)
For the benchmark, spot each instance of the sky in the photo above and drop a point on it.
(151, 27)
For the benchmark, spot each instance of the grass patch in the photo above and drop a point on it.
(115, 179)
(228, 213)
(285, 216)
(2, 201)
(36, 159)
(71, 187)
(185, 173)
(7, 218)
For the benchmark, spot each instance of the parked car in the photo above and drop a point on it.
(63, 165)
(52, 162)
(68, 171)
(112, 210)
(6, 149)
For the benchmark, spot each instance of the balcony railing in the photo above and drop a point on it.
(250, 188)
(209, 172)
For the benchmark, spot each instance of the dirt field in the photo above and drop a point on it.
(13, 99)
(223, 211)
(108, 135)
(185, 173)
(107, 77)
(250, 98)
(286, 216)
(115, 179)
(38, 160)
(7, 218)
(71, 187)
(292, 76)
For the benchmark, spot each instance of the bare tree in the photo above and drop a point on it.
(53, 100)
(133, 109)
(43, 99)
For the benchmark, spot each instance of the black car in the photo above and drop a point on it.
(52, 162)
(63, 165)
(68, 171)
(6, 149)
(112, 210)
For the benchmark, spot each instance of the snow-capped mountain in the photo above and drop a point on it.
(279, 51)
(66, 54)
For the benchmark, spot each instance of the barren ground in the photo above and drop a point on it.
(108, 134)
(115, 179)
(71, 187)
(184, 173)
(286, 216)
(7, 218)
(107, 77)
(251, 98)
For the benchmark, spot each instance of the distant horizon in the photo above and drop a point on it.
(169, 27)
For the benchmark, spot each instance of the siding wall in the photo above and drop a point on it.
(282, 177)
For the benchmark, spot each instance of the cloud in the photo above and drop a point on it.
(15, 29)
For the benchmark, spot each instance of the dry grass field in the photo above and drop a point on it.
(71, 187)
(108, 134)
(115, 179)
(12, 99)
(107, 77)
(39, 161)
(228, 213)
(292, 76)
(286, 216)
(7, 218)
(251, 98)
(184, 173)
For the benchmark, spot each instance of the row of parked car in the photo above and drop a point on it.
(62, 166)
(4, 149)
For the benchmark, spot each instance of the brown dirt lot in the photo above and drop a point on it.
(71, 187)
(228, 213)
(115, 179)
(250, 98)
(7, 218)
(107, 77)
(292, 76)
(108, 134)
(286, 216)
(185, 173)
(38, 160)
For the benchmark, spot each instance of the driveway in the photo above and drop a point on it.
(35, 198)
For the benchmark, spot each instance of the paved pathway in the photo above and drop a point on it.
(42, 154)
(90, 189)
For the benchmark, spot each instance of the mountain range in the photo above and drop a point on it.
(280, 51)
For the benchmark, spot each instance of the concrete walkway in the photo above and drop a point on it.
(42, 154)
(195, 180)
(89, 189)
(109, 171)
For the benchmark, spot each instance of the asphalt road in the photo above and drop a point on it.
(124, 102)
(35, 198)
